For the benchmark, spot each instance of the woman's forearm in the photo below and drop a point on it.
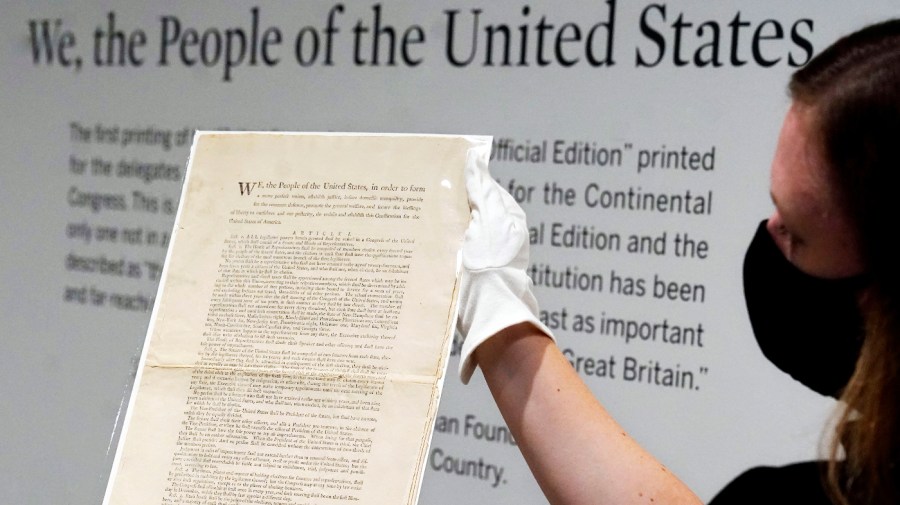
(576, 450)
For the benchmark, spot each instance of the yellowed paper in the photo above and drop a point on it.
(299, 341)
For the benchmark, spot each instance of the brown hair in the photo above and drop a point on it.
(853, 89)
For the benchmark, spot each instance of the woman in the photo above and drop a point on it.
(834, 178)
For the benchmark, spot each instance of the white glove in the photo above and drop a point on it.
(495, 291)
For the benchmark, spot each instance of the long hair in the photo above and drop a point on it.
(853, 91)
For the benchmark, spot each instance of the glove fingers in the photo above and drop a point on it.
(497, 234)
(494, 200)
(516, 229)
(476, 178)
(511, 206)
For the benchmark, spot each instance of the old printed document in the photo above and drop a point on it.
(301, 331)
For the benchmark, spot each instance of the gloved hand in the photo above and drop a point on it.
(495, 291)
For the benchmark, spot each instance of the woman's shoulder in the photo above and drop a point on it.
(791, 484)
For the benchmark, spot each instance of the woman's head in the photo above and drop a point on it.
(810, 224)
(846, 102)
(839, 157)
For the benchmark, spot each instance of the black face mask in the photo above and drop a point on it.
(809, 327)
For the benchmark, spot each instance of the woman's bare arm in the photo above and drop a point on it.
(575, 449)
